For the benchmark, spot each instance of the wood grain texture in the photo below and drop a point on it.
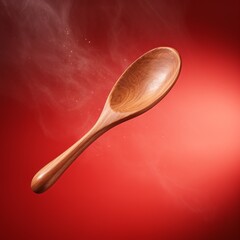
(145, 80)
(141, 86)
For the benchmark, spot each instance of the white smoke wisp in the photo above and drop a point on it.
(46, 46)
(53, 67)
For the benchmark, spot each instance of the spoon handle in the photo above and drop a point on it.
(49, 174)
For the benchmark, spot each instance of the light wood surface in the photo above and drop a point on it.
(141, 86)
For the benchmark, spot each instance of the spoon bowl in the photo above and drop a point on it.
(145, 82)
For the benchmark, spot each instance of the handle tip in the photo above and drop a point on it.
(38, 185)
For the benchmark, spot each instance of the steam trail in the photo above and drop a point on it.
(53, 69)
(46, 46)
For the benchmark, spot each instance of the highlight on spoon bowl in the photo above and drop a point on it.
(144, 83)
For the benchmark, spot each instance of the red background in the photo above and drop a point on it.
(172, 173)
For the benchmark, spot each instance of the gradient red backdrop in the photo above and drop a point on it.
(172, 173)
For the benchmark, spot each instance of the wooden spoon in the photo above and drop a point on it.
(141, 86)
